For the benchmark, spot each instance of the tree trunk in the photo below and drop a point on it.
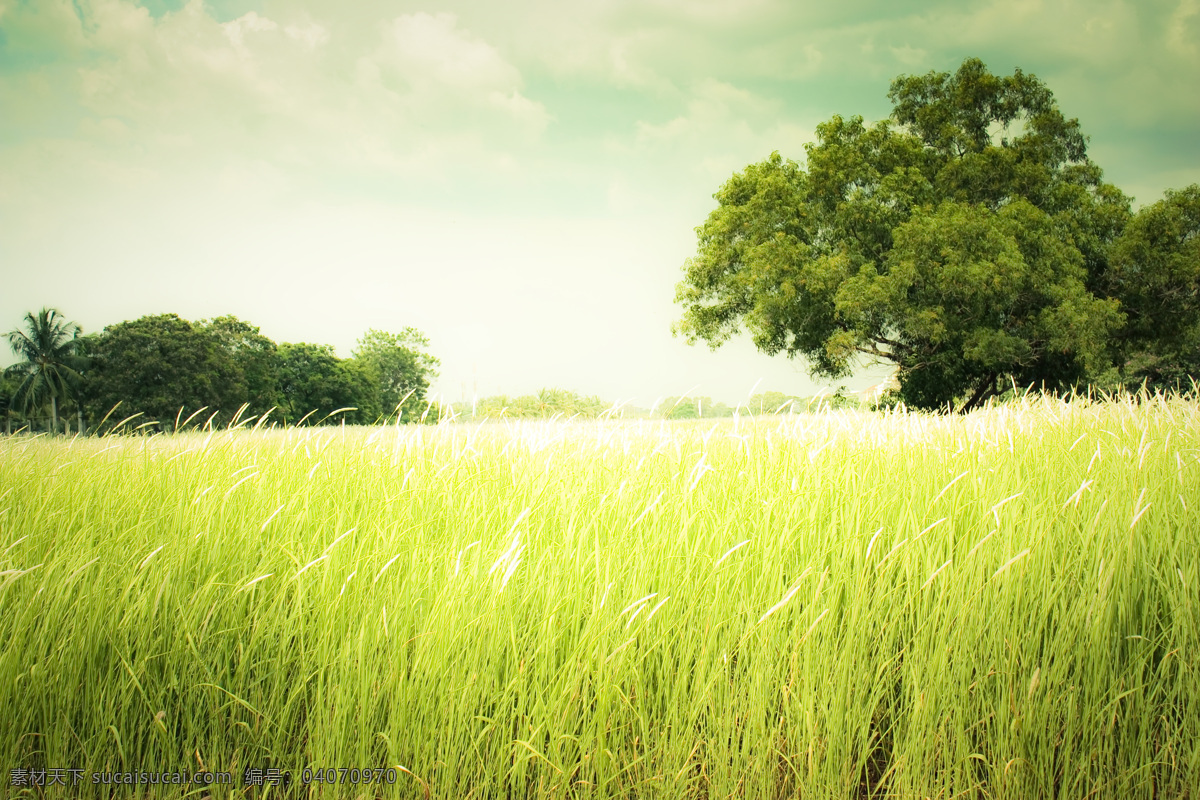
(987, 388)
(79, 420)
(54, 414)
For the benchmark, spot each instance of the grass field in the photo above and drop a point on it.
(1003, 605)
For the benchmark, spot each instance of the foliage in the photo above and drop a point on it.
(691, 407)
(251, 371)
(8, 387)
(50, 365)
(404, 369)
(314, 383)
(850, 606)
(1156, 272)
(163, 372)
(546, 403)
(163, 368)
(961, 241)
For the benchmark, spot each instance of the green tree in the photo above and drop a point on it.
(161, 366)
(963, 241)
(404, 367)
(545, 404)
(7, 388)
(687, 407)
(1156, 273)
(314, 382)
(49, 369)
(563, 402)
(252, 369)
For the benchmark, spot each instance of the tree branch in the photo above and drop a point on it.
(877, 353)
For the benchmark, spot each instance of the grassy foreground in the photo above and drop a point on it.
(829, 606)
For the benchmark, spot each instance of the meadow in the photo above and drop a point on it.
(834, 605)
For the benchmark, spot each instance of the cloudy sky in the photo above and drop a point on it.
(519, 180)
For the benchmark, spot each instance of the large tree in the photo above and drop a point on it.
(1156, 273)
(314, 382)
(252, 368)
(964, 240)
(49, 369)
(162, 366)
(404, 369)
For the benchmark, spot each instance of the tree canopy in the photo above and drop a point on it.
(1156, 272)
(314, 383)
(250, 362)
(160, 366)
(402, 370)
(967, 240)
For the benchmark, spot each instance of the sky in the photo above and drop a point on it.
(521, 181)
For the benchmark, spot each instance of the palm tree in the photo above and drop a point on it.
(49, 347)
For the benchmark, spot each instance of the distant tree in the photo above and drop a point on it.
(773, 402)
(159, 366)
(404, 368)
(693, 408)
(490, 407)
(545, 404)
(963, 241)
(563, 403)
(681, 408)
(1156, 274)
(566, 403)
(49, 369)
(252, 369)
(314, 382)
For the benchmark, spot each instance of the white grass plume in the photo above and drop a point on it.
(786, 597)
(638, 602)
(267, 521)
(309, 565)
(730, 552)
(335, 541)
(458, 561)
(1010, 562)
(385, 567)
(254, 581)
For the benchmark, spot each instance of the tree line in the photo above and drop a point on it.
(563, 404)
(166, 373)
(163, 372)
(968, 240)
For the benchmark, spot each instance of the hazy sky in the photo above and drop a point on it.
(520, 180)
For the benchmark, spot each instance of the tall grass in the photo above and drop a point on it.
(817, 606)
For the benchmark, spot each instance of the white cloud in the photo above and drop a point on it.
(723, 128)
(431, 48)
(446, 76)
(1183, 30)
(911, 57)
(237, 29)
(712, 105)
(309, 33)
(184, 91)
